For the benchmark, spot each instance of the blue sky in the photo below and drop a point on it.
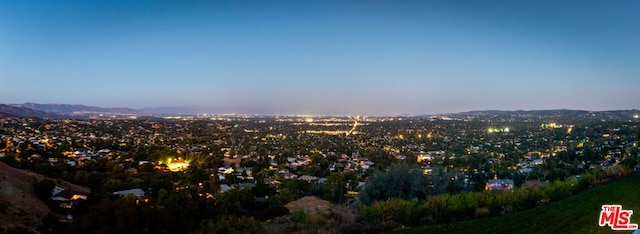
(323, 57)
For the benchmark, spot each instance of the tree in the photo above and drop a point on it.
(261, 189)
(400, 181)
(214, 184)
(338, 184)
(44, 188)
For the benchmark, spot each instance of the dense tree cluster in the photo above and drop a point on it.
(450, 207)
(406, 182)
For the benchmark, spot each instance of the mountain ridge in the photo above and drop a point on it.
(52, 111)
(75, 109)
(27, 112)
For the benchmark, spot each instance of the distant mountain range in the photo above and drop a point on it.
(546, 112)
(561, 114)
(73, 110)
(525, 112)
(56, 111)
(17, 111)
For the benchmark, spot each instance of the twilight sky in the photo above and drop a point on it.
(323, 57)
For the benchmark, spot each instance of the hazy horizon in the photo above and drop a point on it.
(378, 58)
(196, 110)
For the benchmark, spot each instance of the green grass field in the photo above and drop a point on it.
(577, 214)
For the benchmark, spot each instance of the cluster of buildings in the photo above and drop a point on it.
(471, 147)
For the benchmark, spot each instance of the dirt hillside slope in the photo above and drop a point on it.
(19, 206)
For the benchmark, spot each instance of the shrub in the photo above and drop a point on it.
(481, 212)
(231, 224)
(271, 212)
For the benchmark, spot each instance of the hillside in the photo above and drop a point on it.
(577, 214)
(5, 115)
(26, 112)
(19, 206)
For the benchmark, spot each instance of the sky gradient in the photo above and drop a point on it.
(323, 57)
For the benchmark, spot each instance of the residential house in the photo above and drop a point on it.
(135, 192)
(500, 184)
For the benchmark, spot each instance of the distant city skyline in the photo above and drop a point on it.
(318, 57)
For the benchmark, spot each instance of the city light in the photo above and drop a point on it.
(492, 130)
(176, 165)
